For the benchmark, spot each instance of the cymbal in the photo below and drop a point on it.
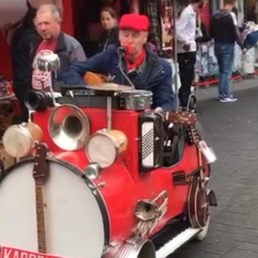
(108, 87)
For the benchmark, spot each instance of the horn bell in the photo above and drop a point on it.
(68, 127)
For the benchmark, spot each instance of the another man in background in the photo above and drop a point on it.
(186, 35)
(225, 32)
(48, 25)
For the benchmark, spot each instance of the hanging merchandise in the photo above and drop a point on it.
(240, 9)
(206, 62)
(248, 62)
(174, 68)
(249, 34)
(237, 66)
(166, 24)
(152, 10)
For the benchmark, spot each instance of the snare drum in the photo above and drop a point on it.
(135, 99)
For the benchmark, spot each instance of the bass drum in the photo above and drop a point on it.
(76, 221)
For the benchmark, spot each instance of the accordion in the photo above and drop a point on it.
(151, 141)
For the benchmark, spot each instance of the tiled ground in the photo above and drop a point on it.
(232, 130)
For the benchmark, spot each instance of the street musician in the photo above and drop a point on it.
(131, 63)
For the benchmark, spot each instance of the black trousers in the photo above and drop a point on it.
(186, 62)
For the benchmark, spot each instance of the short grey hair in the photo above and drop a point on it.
(49, 8)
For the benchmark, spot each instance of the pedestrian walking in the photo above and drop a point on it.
(224, 30)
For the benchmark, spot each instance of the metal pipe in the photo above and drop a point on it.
(109, 113)
(175, 52)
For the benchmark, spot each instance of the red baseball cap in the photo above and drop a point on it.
(134, 21)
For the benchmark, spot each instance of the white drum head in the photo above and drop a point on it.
(73, 218)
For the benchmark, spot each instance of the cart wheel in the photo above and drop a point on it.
(202, 235)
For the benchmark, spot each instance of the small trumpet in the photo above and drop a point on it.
(147, 210)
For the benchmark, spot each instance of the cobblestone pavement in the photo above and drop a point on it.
(232, 130)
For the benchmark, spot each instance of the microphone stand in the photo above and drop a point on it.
(120, 66)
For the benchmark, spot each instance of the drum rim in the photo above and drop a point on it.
(136, 92)
(88, 182)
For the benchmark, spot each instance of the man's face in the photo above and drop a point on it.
(47, 27)
(136, 39)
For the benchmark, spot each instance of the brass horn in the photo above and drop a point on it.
(68, 127)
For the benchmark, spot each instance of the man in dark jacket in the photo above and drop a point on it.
(224, 31)
(20, 48)
(141, 66)
(48, 25)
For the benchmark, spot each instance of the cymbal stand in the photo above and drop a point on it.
(109, 112)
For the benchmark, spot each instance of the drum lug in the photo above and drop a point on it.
(113, 244)
(98, 186)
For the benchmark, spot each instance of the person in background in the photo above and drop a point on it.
(23, 37)
(225, 32)
(48, 25)
(109, 36)
(141, 66)
(10, 28)
(21, 41)
(186, 36)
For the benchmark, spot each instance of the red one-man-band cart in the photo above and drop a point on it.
(98, 174)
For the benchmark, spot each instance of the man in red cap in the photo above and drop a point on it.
(141, 66)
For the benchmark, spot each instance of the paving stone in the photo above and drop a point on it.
(237, 253)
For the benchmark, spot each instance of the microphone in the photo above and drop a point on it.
(125, 49)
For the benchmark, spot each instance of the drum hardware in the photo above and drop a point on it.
(40, 175)
(149, 212)
(92, 171)
(104, 146)
(109, 113)
(49, 63)
(19, 140)
(109, 90)
(113, 244)
(98, 186)
(68, 127)
(135, 100)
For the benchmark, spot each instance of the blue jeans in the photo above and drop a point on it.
(225, 54)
